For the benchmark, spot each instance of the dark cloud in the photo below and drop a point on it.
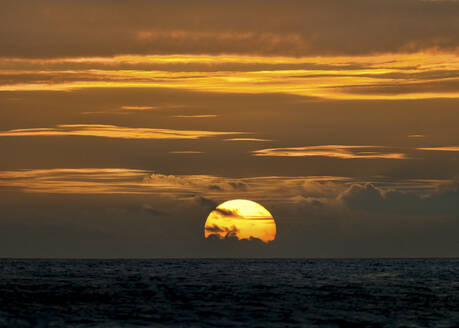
(228, 232)
(148, 208)
(371, 198)
(67, 28)
(215, 188)
(226, 212)
(214, 228)
(206, 202)
(238, 185)
(231, 246)
(116, 225)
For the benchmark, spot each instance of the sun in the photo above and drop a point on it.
(241, 219)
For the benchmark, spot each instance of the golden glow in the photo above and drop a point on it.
(247, 139)
(138, 107)
(184, 188)
(336, 151)
(113, 131)
(389, 76)
(241, 219)
(195, 116)
(427, 60)
(440, 148)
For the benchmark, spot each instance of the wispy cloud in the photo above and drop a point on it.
(389, 76)
(452, 148)
(247, 139)
(75, 181)
(334, 151)
(139, 108)
(213, 189)
(113, 131)
(195, 116)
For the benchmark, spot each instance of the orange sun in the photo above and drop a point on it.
(241, 219)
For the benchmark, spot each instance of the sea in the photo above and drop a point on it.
(229, 293)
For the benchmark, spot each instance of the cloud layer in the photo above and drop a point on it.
(119, 212)
(53, 28)
(334, 151)
(112, 131)
(384, 77)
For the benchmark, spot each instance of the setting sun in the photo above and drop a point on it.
(241, 219)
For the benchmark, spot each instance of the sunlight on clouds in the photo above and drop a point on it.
(285, 189)
(195, 116)
(138, 108)
(113, 131)
(247, 139)
(110, 181)
(440, 148)
(241, 219)
(74, 181)
(424, 60)
(334, 151)
(406, 76)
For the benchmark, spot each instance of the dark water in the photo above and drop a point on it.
(224, 293)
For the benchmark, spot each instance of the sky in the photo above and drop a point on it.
(123, 124)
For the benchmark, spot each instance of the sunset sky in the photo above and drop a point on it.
(123, 124)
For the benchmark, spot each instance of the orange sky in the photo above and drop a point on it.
(127, 123)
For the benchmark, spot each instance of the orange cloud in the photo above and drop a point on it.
(188, 187)
(138, 107)
(440, 148)
(195, 116)
(75, 181)
(247, 139)
(387, 76)
(113, 131)
(334, 151)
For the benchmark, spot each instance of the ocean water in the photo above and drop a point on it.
(230, 293)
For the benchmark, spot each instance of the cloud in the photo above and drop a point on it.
(206, 191)
(215, 188)
(75, 181)
(112, 131)
(445, 148)
(225, 232)
(238, 185)
(218, 246)
(195, 116)
(281, 28)
(384, 76)
(138, 108)
(148, 208)
(214, 228)
(124, 219)
(368, 197)
(226, 212)
(206, 202)
(247, 139)
(333, 151)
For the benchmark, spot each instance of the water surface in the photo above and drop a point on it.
(226, 293)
